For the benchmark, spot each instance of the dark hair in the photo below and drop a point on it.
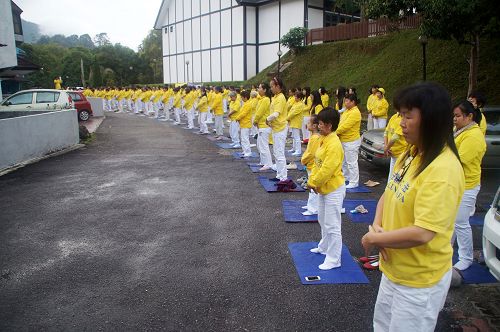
(467, 108)
(314, 118)
(265, 86)
(278, 81)
(353, 90)
(293, 90)
(352, 97)
(329, 115)
(375, 86)
(203, 92)
(298, 94)
(322, 90)
(341, 92)
(245, 94)
(308, 92)
(436, 114)
(218, 89)
(480, 98)
(316, 100)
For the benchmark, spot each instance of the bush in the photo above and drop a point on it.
(294, 39)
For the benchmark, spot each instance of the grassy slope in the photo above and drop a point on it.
(391, 61)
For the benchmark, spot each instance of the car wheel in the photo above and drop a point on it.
(83, 115)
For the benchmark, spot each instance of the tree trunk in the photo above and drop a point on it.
(473, 64)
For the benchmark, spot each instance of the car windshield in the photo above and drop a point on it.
(75, 96)
(492, 120)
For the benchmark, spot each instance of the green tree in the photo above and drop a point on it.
(294, 39)
(151, 57)
(463, 20)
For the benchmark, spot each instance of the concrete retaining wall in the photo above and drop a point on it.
(97, 106)
(26, 137)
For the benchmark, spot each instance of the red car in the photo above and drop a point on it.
(82, 105)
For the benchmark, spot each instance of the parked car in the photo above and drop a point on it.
(491, 158)
(37, 100)
(372, 147)
(372, 142)
(491, 237)
(82, 105)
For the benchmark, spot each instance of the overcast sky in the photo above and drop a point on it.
(125, 21)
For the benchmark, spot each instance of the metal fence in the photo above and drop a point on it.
(363, 29)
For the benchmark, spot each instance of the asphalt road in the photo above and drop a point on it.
(149, 228)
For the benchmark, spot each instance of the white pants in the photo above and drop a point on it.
(350, 164)
(369, 123)
(224, 105)
(190, 118)
(312, 199)
(329, 218)
(279, 141)
(463, 231)
(234, 131)
(149, 107)
(305, 133)
(131, 104)
(177, 112)
(402, 308)
(379, 123)
(245, 141)
(263, 147)
(120, 105)
(219, 126)
(297, 147)
(391, 168)
(209, 116)
(202, 120)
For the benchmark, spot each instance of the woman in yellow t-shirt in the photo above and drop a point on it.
(317, 105)
(325, 98)
(370, 105)
(394, 141)
(479, 100)
(380, 110)
(415, 216)
(294, 119)
(471, 147)
(261, 114)
(328, 182)
(277, 121)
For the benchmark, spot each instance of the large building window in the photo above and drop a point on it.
(344, 12)
(18, 27)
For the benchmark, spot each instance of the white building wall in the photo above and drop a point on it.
(197, 64)
(238, 63)
(292, 15)
(251, 22)
(237, 29)
(216, 66)
(8, 57)
(215, 30)
(227, 63)
(315, 17)
(268, 19)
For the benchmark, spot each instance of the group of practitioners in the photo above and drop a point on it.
(435, 148)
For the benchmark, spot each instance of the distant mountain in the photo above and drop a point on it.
(31, 32)
(69, 41)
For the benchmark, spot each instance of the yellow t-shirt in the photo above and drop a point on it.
(325, 100)
(189, 100)
(380, 108)
(430, 201)
(217, 104)
(203, 104)
(262, 112)
(234, 106)
(471, 147)
(278, 104)
(177, 100)
(307, 108)
(394, 128)
(349, 125)
(57, 84)
(318, 109)
(370, 103)
(326, 175)
(295, 115)
(483, 124)
(312, 146)
(244, 116)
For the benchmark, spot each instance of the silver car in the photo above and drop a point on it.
(37, 100)
(491, 237)
(372, 142)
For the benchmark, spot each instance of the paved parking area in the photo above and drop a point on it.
(149, 227)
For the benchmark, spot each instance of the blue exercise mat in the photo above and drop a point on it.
(292, 212)
(476, 273)
(255, 168)
(239, 156)
(307, 263)
(270, 186)
(223, 145)
(369, 204)
(359, 189)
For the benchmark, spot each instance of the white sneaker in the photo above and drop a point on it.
(315, 251)
(304, 207)
(328, 266)
(342, 210)
(296, 154)
(309, 213)
(273, 167)
(351, 186)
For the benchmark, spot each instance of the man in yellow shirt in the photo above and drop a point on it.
(244, 118)
(294, 118)
(370, 104)
(234, 126)
(217, 109)
(177, 105)
(189, 100)
(260, 118)
(308, 160)
(348, 133)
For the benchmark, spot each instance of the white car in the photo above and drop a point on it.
(491, 237)
(37, 100)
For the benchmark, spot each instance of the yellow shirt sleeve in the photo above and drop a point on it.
(350, 122)
(295, 115)
(381, 107)
(326, 175)
(312, 146)
(262, 112)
